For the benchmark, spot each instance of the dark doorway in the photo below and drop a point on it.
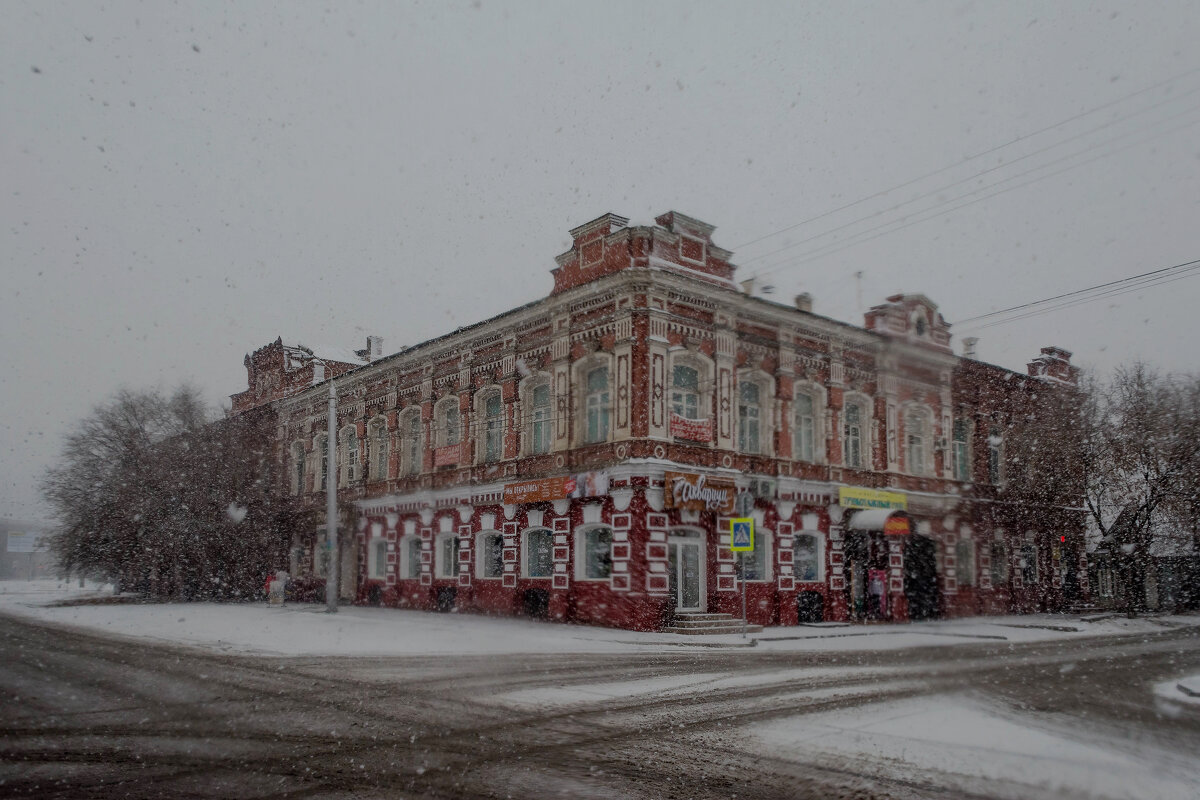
(920, 578)
(810, 607)
(374, 594)
(446, 595)
(536, 603)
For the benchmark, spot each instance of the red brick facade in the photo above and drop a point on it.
(647, 359)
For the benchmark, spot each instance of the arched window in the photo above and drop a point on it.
(489, 555)
(491, 432)
(999, 563)
(377, 434)
(537, 553)
(596, 406)
(964, 562)
(540, 411)
(593, 553)
(805, 430)
(855, 442)
(685, 392)
(411, 449)
(808, 556)
(917, 439)
(448, 421)
(377, 553)
(750, 417)
(298, 458)
(962, 450)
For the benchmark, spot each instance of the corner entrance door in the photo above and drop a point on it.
(686, 571)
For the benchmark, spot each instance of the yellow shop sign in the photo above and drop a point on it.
(854, 497)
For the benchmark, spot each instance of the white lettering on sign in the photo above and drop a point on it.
(685, 491)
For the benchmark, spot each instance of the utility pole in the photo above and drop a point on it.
(331, 527)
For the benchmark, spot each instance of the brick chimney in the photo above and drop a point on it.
(1054, 364)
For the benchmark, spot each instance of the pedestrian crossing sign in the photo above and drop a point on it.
(741, 534)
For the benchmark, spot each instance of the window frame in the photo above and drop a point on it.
(537, 418)
(298, 473)
(349, 458)
(962, 575)
(440, 567)
(999, 562)
(864, 406)
(377, 569)
(491, 429)
(321, 455)
(582, 552)
(819, 541)
(378, 449)
(995, 446)
(443, 410)
(406, 557)
(960, 449)
(923, 416)
(763, 548)
(526, 552)
(484, 542)
(412, 450)
(680, 395)
(1028, 565)
(816, 394)
(601, 408)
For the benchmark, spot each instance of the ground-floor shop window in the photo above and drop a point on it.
(999, 564)
(491, 555)
(756, 565)
(1029, 565)
(593, 548)
(539, 553)
(446, 556)
(377, 558)
(410, 555)
(807, 556)
(964, 562)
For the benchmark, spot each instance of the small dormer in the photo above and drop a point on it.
(910, 316)
(1054, 364)
(590, 257)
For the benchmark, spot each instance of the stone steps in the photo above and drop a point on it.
(700, 624)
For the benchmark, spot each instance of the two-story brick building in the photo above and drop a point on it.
(580, 457)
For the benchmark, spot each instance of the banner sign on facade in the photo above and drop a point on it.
(693, 430)
(694, 492)
(448, 455)
(741, 535)
(584, 484)
(854, 497)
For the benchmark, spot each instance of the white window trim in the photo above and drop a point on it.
(439, 562)
(481, 398)
(970, 460)
(440, 417)
(820, 398)
(766, 410)
(820, 540)
(481, 558)
(320, 443)
(705, 383)
(525, 552)
(580, 371)
(925, 413)
(972, 578)
(866, 421)
(527, 388)
(344, 456)
(581, 553)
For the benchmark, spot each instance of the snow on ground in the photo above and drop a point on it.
(304, 629)
(976, 746)
(1182, 692)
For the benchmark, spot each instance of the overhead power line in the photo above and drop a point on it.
(969, 159)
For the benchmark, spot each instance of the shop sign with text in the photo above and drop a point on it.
(694, 492)
(854, 497)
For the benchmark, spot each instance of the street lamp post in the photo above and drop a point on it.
(331, 527)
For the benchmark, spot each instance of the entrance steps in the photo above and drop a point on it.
(694, 623)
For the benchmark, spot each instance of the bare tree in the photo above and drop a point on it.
(152, 494)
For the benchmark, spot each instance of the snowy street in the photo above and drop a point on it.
(105, 701)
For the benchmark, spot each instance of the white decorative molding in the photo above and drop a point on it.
(426, 515)
(510, 511)
(534, 515)
(464, 512)
(654, 498)
(785, 508)
(561, 506)
(621, 498)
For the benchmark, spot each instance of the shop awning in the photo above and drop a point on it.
(892, 521)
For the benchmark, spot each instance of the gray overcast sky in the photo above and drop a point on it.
(181, 183)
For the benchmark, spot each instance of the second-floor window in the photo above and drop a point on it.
(351, 455)
(298, 457)
(995, 456)
(539, 420)
(685, 392)
(378, 450)
(853, 436)
(916, 435)
(749, 417)
(806, 428)
(962, 450)
(493, 428)
(596, 403)
(449, 423)
(323, 463)
(411, 431)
